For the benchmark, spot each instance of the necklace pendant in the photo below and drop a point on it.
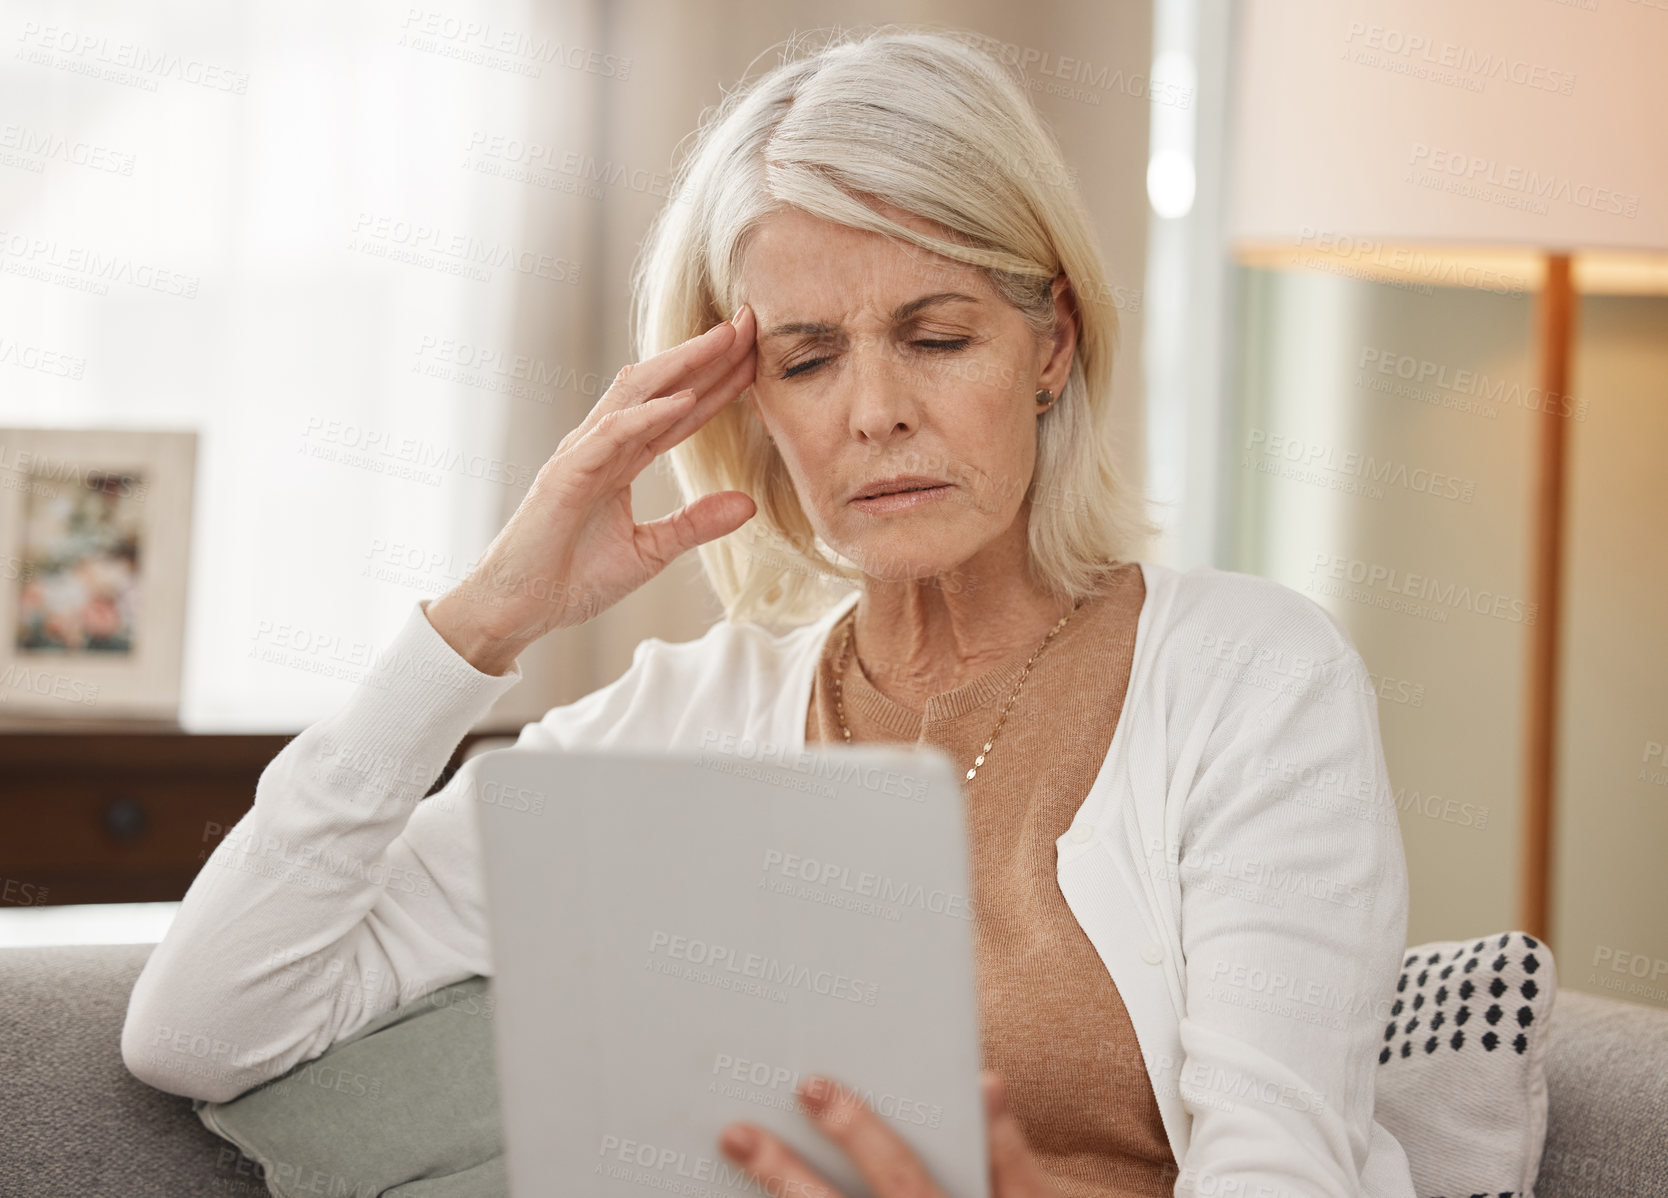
(971, 772)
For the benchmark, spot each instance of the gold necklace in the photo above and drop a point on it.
(839, 688)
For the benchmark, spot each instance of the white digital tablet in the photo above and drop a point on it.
(679, 937)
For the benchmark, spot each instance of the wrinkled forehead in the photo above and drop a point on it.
(795, 266)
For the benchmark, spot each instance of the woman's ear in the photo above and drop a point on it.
(753, 413)
(1057, 366)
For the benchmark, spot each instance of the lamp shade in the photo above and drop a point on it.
(1485, 123)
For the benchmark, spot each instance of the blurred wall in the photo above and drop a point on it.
(1325, 359)
(1610, 914)
(1449, 680)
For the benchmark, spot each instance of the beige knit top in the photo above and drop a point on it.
(1052, 1022)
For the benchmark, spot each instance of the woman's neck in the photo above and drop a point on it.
(923, 637)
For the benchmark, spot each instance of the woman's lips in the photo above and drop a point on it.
(900, 500)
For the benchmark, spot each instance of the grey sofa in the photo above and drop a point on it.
(73, 1121)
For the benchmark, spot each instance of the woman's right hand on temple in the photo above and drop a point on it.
(572, 548)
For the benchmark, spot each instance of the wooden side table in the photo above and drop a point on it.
(124, 813)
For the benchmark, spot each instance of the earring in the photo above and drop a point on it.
(1045, 398)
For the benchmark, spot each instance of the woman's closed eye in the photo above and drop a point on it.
(929, 345)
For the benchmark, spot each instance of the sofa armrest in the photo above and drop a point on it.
(73, 1120)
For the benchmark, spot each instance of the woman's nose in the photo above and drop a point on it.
(884, 406)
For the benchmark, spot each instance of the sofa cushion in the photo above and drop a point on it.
(1462, 1073)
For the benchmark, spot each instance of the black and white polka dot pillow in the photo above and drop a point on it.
(1462, 1072)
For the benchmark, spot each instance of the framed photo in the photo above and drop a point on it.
(95, 528)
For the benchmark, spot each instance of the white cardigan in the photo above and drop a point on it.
(1237, 864)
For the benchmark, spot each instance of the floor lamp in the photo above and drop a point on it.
(1412, 156)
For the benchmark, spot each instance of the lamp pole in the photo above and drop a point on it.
(1554, 319)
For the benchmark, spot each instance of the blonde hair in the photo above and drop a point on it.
(925, 122)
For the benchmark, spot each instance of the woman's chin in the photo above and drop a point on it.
(883, 560)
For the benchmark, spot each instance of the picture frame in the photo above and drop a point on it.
(95, 538)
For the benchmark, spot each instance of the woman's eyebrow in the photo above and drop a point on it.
(822, 328)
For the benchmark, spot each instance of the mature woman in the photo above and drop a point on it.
(1190, 888)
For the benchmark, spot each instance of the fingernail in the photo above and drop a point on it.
(817, 1092)
(739, 1143)
(736, 319)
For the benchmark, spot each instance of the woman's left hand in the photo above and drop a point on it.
(888, 1164)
